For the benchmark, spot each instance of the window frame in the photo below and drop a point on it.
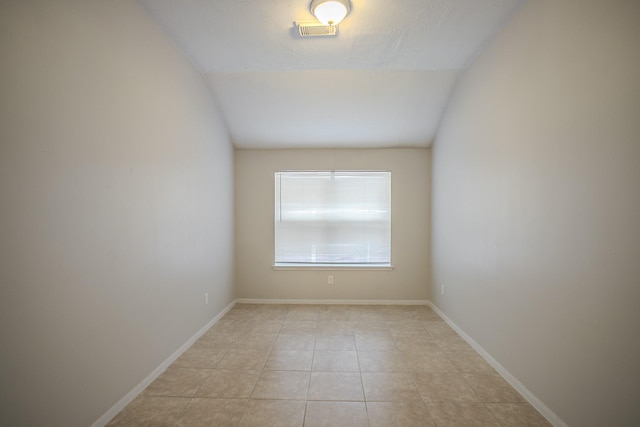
(333, 266)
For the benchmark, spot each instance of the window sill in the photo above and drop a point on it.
(378, 267)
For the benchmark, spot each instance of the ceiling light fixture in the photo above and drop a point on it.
(330, 12)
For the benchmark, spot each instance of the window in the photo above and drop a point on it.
(333, 218)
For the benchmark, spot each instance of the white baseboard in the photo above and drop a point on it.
(520, 388)
(331, 301)
(119, 406)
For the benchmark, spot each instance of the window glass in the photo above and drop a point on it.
(333, 217)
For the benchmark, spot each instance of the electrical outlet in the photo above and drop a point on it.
(330, 280)
(206, 298)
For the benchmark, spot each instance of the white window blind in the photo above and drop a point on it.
(333, 217)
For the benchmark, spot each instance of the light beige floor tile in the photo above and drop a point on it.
(451, 343)
(271, 312)
(284, 308)
(335, 386)
(303, 313)
(402, 354)
(461, 415)
(439, 329)
(200, 357)
(265, 326)
(428, 361)
(492, 388)
(389, 386)
(444, 388)
(334, 312)
(253, 341)
(244, 359)
(289, 360)
(229, 384)
(416, 342)
(212, 412)
(407, 323)
(299, 327)
(427, 315)
(227, 322)
(362, 318)
(336, 414)
(517, 414)
(366, 310)
(282, 385)
(370, 327)
(404, 313)
(469, 362)
(295, 341)
(232, 326)
(274, 413)
(335, 342)
(365, 342)
(430, 313)
(246, 307)
(146, 411)
(399, 414)
(408, 310)
(335, 361)
(216, 340)
(381, 361)
(270, 316)
(177, 382)
(335, 327)
(401, 328)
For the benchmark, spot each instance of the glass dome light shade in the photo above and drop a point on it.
(330, 12)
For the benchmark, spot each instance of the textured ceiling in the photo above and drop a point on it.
(383, 81)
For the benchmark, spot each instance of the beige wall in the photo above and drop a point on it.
(536, 206)
(254, 177)
(116, 207)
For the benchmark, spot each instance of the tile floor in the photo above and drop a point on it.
(329, 365)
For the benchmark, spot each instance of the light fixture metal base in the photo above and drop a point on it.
(315, 29)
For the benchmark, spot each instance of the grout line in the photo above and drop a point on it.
(364, 395)
(304, 415)
(490, 412)
(244, 411)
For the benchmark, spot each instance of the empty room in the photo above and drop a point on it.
(319, 213)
